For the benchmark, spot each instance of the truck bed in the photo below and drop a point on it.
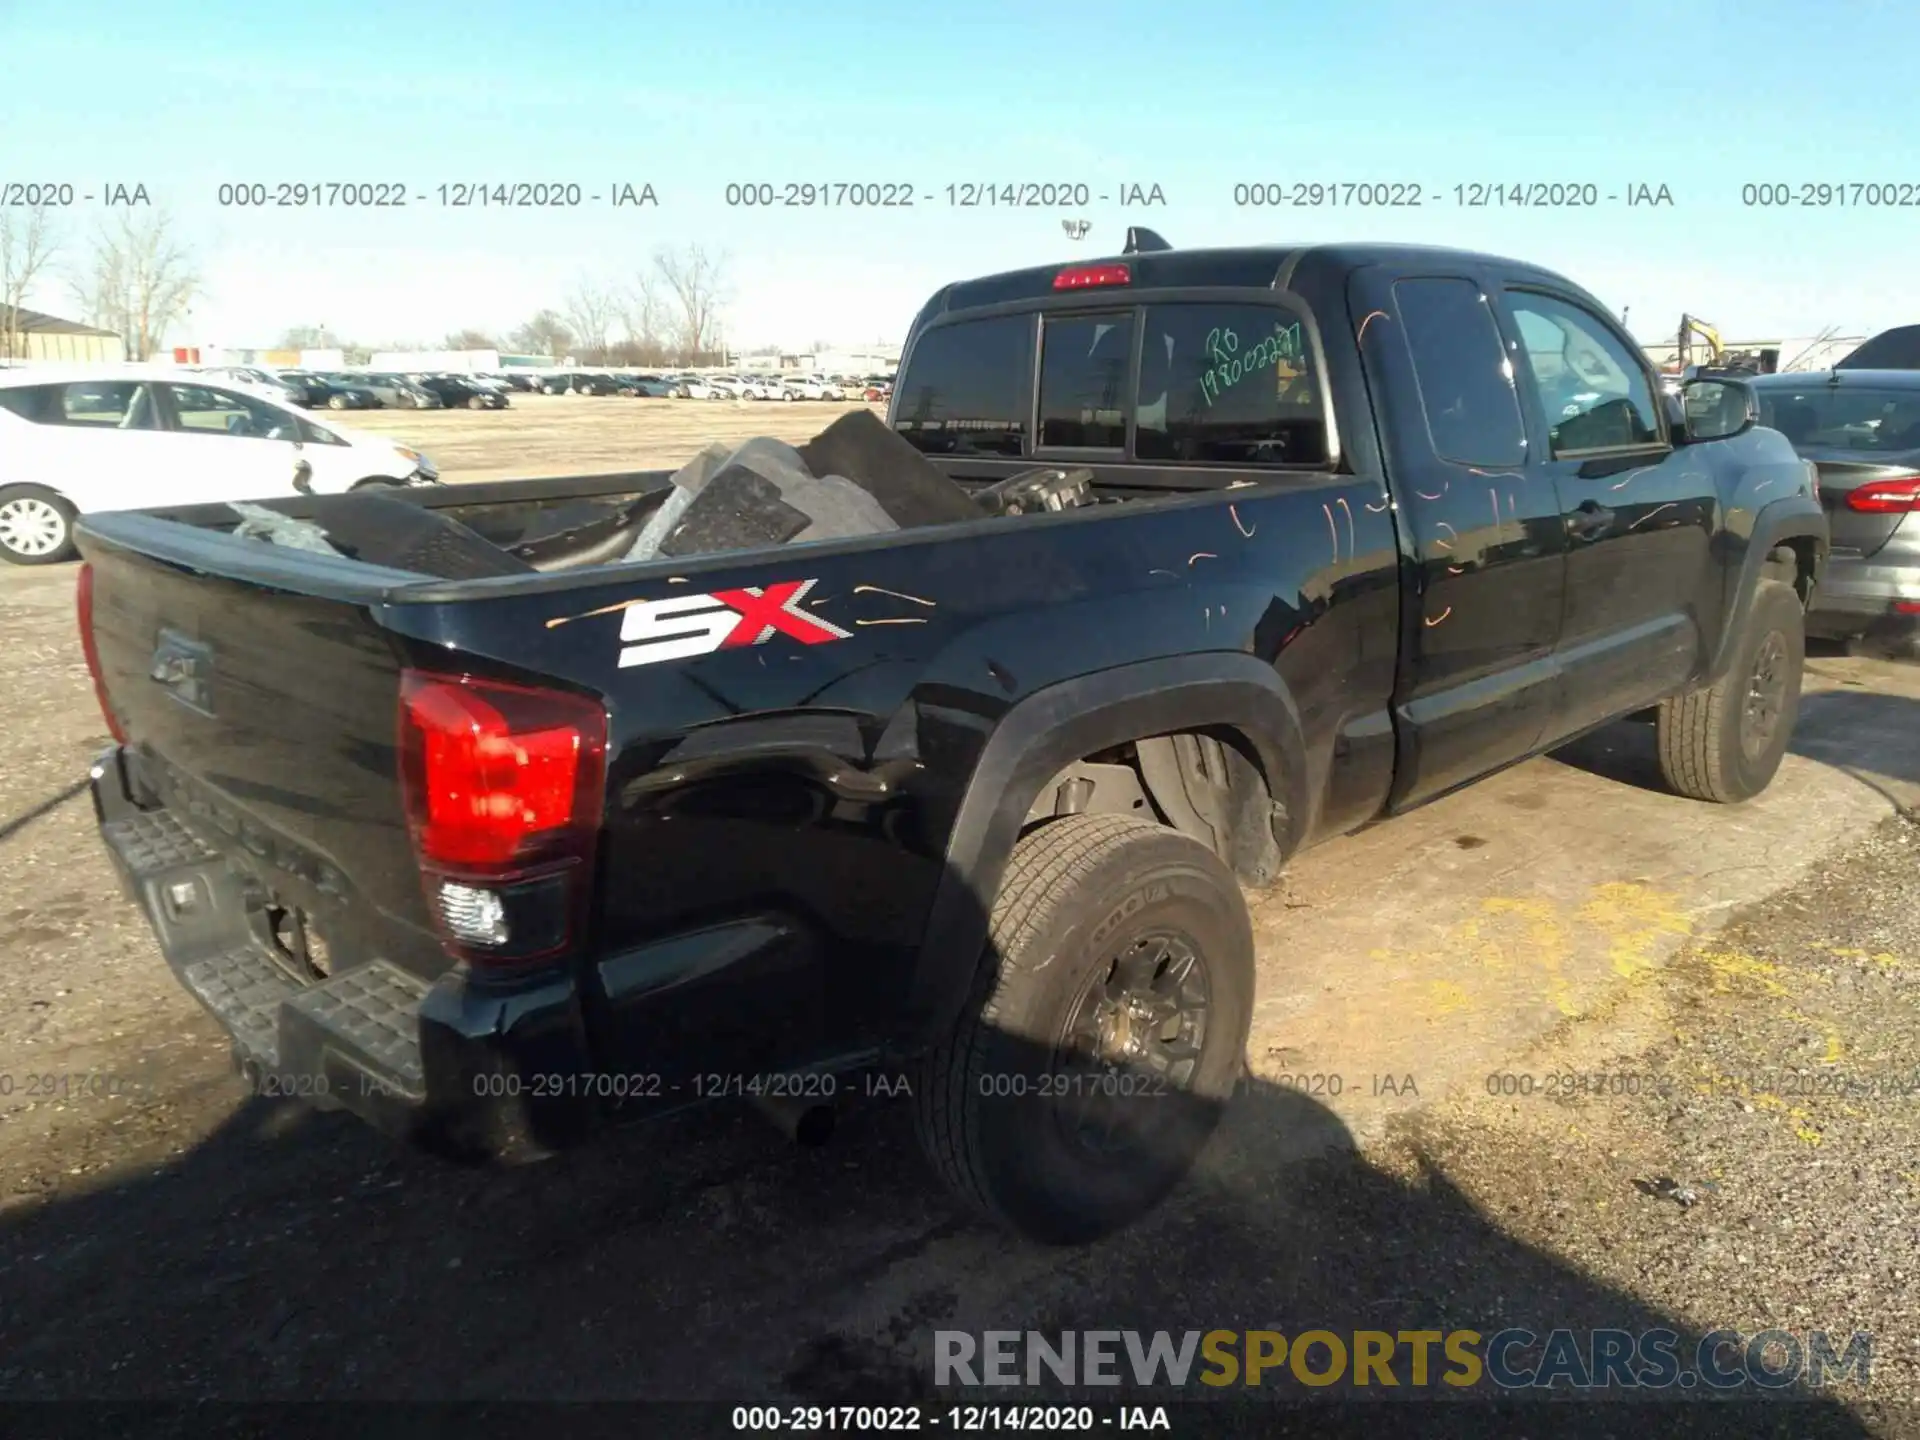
(802, 797)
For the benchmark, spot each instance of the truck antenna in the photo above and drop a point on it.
(1140, 240)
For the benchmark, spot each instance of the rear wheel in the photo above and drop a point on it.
(1725, 743)
(1105, 1034)
(36, 526)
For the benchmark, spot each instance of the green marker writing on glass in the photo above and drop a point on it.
(1230, 367)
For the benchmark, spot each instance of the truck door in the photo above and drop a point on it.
(1480, 531)
(1639, 515)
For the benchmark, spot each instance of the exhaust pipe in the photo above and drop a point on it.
(805, 1122)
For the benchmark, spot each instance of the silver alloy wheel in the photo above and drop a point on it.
(31, 526)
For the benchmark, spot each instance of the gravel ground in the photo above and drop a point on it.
(1744, 1153)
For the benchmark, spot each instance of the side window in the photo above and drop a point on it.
(38, 403)
(1229, 384)
(106, 405)
(84, 404)
(968, 388)
(1462, 371)
(202, 409)
(1084, 361)
(1593, 389)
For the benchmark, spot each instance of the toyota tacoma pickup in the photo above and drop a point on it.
(1195, 558)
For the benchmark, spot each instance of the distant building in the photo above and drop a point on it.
(484, 361)
(855, 360)
(29, 337)
(269, 357)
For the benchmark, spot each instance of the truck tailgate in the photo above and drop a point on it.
(264, 720)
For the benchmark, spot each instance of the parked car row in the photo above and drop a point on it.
(372, 390)
(363, 390)
(695, 385)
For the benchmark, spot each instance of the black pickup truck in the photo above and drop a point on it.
(1316, 534)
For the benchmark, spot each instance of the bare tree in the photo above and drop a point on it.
(27, 245)
(139, 281)
(590, 315)
(545, 334)
(642, 309)
(471, 340)
(695, 277)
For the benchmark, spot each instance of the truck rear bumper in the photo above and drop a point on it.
(441, 1063)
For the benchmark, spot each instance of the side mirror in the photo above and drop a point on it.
(303, 477)
(1714, 410)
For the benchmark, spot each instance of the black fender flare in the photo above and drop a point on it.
(1792, 517)
(1054, 727)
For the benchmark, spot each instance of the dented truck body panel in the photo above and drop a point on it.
(819, 757)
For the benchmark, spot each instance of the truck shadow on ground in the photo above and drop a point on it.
(292, 1255)
(1865, 734)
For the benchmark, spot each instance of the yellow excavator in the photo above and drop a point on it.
(1719, 359)
(1691, 326)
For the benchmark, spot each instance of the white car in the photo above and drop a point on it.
(731, 386)
(254, 381)
(810, 387)
(761, 387)
(697, 387)
(130, 438)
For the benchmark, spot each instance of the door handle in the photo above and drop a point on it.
(1588, 520)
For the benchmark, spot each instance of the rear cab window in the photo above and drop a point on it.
(1084, 364)
(1188, 383)
(969, 390)
(1228, 384)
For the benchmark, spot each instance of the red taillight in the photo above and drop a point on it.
(1085, 277)
(1897, 495)
(83, 603)
(504, 787)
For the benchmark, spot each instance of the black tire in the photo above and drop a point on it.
(1725, 743)
(995, 1099)
(336, 402)
(34, 516)
(377, 482)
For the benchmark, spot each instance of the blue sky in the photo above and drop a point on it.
(1703, 98)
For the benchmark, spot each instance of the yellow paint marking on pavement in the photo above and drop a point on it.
(1732, 966)
(1634, 917)
(1545, 933)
